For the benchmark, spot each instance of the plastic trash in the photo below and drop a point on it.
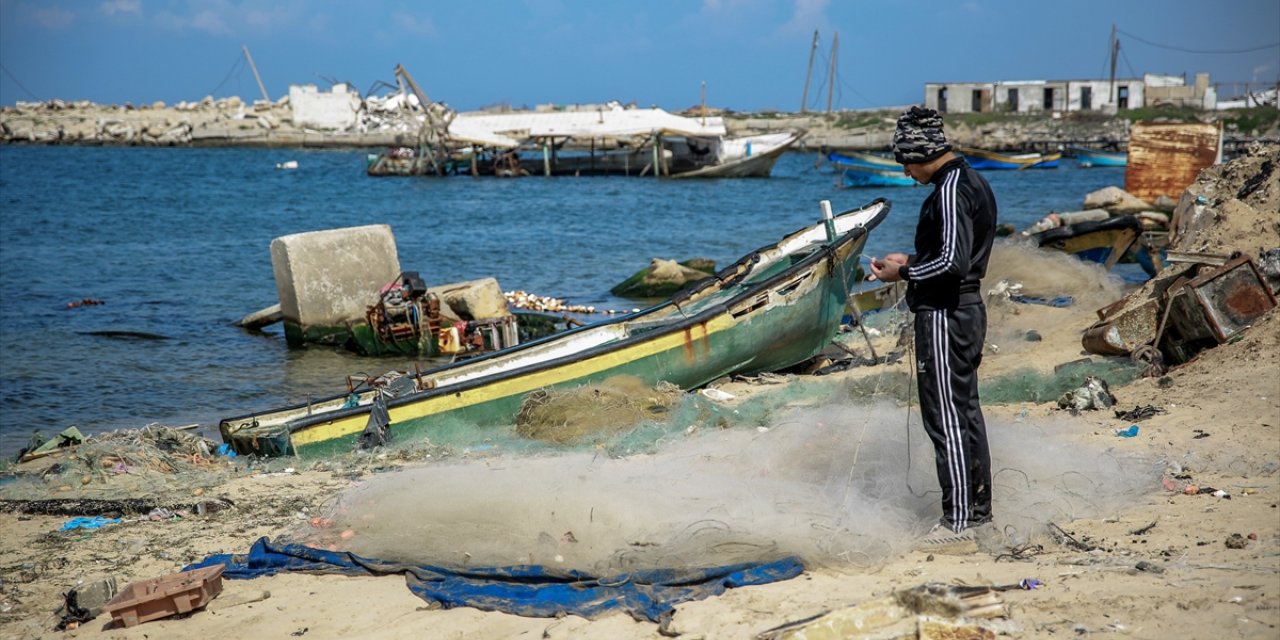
(1128, 433)
(96, 522)
(1030, 583)
(225, 449)
(716, 394)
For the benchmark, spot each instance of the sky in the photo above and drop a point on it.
(752, 55)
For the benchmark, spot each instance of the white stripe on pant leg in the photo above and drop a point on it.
(951, 420)
(950, 423)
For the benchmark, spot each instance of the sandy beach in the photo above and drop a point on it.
(839, 476)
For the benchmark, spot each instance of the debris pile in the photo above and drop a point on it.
(1212, 287)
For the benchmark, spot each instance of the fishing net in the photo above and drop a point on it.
(1028, 385)
(155, 462)
(618, 403)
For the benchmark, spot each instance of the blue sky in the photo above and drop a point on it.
(752, 54)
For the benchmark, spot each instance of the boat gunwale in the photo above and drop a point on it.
(679, 324)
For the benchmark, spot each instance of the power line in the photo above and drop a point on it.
(18, 82)
(238, 65)
(1124, 56)
(1185, 50)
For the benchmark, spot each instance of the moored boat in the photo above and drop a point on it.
(742, 157)
(983, 159)
(775, 307)
(1094, 158)
(844, 159)
(864, 176)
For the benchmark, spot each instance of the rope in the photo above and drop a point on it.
(1206, 51)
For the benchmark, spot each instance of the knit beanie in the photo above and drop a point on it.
(919, 137)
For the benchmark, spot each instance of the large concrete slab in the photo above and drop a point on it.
(327, 279)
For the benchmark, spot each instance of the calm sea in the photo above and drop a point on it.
(175, 243)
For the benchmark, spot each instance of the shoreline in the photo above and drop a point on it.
(231, 123)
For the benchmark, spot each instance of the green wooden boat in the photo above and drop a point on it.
(776, 307)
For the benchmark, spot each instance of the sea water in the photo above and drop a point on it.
(175, 243)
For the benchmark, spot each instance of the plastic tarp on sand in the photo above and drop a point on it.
(533, 591)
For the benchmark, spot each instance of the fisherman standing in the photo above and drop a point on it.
(952, 245)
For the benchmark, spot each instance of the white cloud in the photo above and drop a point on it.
(223, 17)
(209, 21)
(972, 7)
(808, 15)
(113, 7)
(419, 26)
(54, 17)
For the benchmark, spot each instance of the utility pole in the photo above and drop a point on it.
(255, 73)
(831, 82)
(1115, 49)
(809, 72)
(704, 103)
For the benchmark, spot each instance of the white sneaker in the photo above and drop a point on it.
(941, 539)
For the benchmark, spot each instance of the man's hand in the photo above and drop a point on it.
(886, 270)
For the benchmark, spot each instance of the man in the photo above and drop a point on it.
(952, 244)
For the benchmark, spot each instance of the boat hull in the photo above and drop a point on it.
(856, 176)
(1087, 157)
(1106, 242)
(988, 160)
(774, 308)
(750, 165)
(844, 159)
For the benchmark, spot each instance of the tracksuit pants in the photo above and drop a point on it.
(948, 351)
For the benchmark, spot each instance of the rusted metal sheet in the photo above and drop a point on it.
(1230, 298)
(1122, 329)
(1164, 159)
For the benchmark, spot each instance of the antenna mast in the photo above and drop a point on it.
(809, 72)
(1115, 49)
(255, 73)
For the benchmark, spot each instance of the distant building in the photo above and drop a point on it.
(1068, 96)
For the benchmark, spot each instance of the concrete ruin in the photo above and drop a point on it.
(335, 110)
(327, 279)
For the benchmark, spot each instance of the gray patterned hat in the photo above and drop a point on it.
(919, 137)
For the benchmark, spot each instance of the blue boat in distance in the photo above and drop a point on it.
(855, 175)
(1094, 158)
(983, 159)
(844, 159)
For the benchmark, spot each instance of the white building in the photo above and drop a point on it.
(1036, 96)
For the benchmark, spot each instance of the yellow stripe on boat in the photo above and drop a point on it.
(520, 384)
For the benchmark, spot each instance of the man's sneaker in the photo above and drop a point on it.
(941, 539)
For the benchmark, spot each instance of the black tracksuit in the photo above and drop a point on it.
(953, 242)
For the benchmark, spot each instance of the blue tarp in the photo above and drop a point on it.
(528, 590)
(1057, 301)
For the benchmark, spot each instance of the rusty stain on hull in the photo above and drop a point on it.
(1164, 158)
(689, 340)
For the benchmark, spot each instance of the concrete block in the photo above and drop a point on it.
(327, 279)
(474, 299)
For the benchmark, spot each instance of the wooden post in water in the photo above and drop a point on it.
(546, 159)
(657, 142)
